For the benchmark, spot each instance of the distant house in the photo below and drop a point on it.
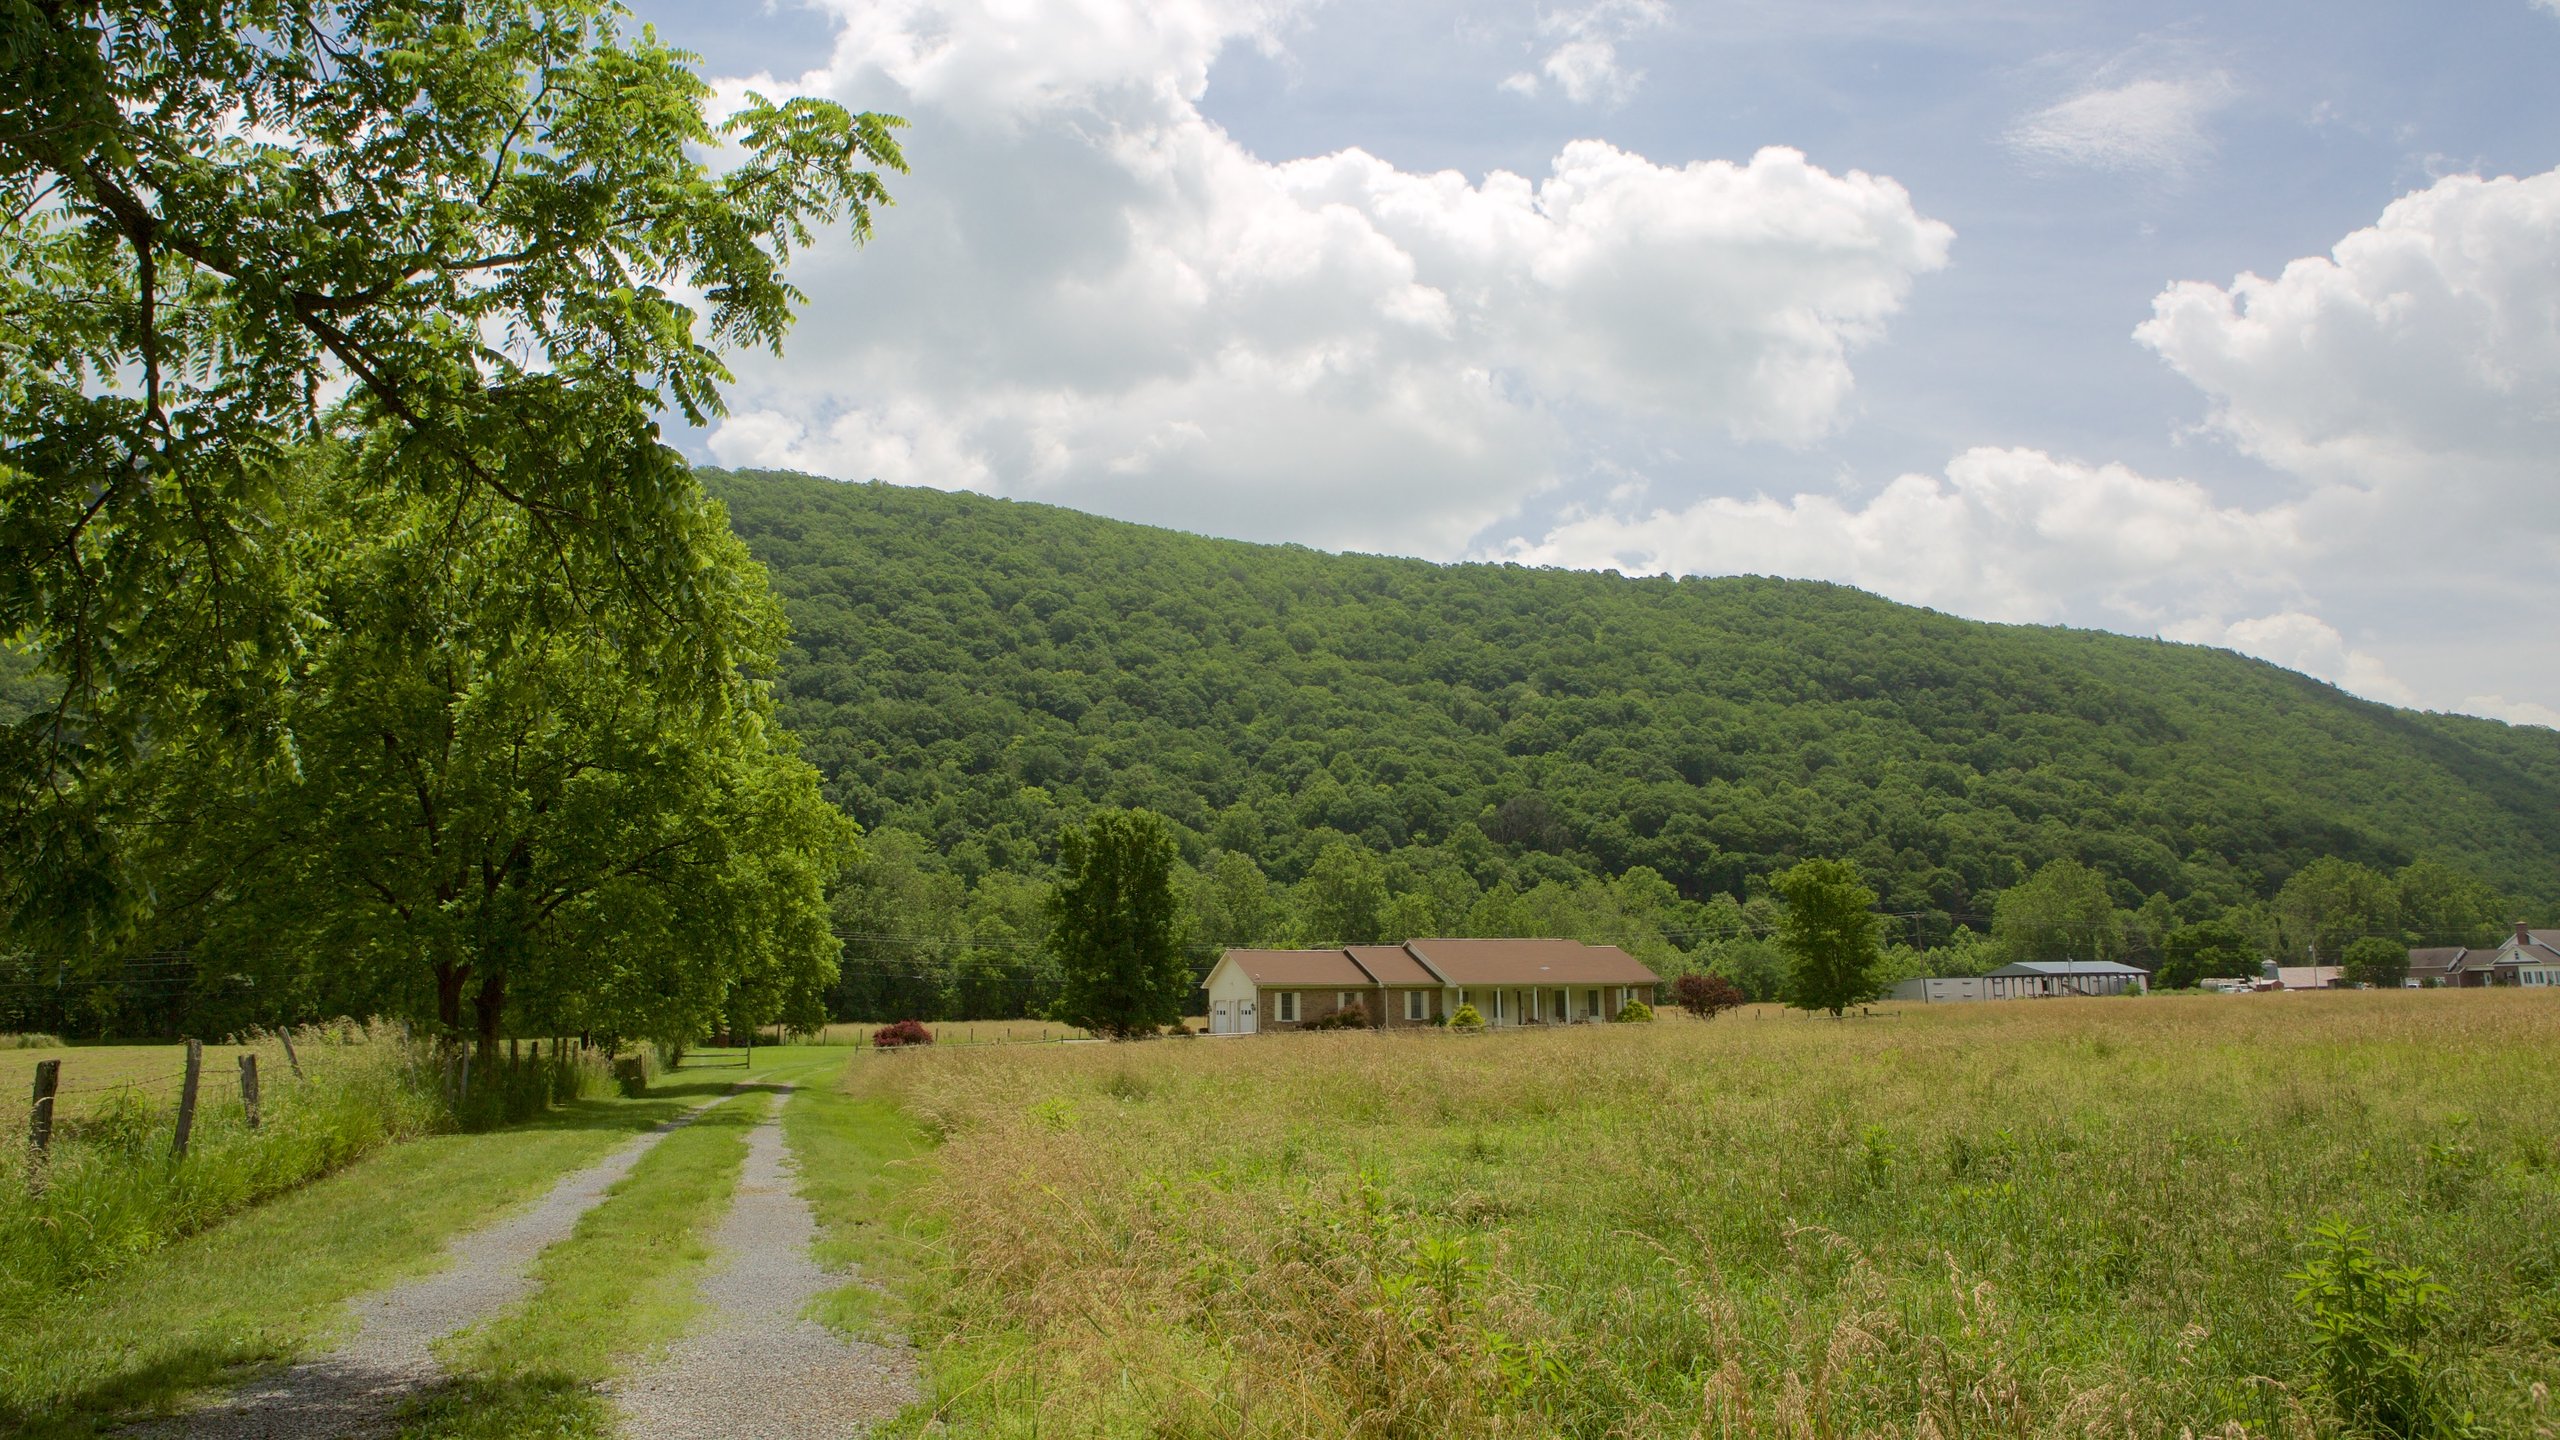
(2527, 957)
(2038, 978)
(2436, 965)
(2310, 977)
(1423, 982)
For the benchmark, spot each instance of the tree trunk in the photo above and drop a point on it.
(449, 978)
(490, 1005)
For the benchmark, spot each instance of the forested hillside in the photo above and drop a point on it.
(974, 670)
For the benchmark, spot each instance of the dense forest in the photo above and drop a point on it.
(969, 673)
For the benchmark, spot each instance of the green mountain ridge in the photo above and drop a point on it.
(978, 670)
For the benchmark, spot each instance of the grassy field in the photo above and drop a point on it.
(959, 1032)
(94, 1074)
(2078, 1218)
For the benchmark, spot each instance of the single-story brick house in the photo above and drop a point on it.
(1423, 982)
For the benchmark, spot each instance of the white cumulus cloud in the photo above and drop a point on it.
(2421, 350)
(1090, 293)
(2299, 641)
(1582, 60)
(2152, 124)
(2004, 534)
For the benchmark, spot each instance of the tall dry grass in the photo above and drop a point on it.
(2033, 1219)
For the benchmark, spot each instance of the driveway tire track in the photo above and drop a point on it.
(355, 1391)
(756, 1367)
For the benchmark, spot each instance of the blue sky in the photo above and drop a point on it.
(1943, 300)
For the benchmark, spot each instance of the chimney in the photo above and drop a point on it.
(2524, 934)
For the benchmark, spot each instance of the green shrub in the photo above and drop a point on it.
(2368, 1325)
(1466, 1017)
(1634, 1012)
(631, 1074)
(30, 1041)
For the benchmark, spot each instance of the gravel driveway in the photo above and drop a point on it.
(353, 1391)
(756, 1367)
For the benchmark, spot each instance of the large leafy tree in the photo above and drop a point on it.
(2331, 902)
(478, 810)
(2375, 961)
(2208, 949)
(1831, 935)
(2062, 911)
(490, 235)
(1343, 900)
(2440, 905)
(1112, 926)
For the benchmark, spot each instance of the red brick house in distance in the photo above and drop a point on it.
(1423, 982)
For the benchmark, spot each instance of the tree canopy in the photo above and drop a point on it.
(1830, 934)
(982, 672)
(1112, 926)
(465, 234)
(484, 804)
(363, 639)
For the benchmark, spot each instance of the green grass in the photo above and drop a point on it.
(2029, 1219)
(267, 1286)
(860, 1161)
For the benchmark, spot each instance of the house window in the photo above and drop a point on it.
(1592, 1008)
(1341, 999)
(1285, 1007)
(1417, 1005)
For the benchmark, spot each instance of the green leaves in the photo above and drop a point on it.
(1112, 926)
(2369, 1323)
(454, 237)
(1830, 935)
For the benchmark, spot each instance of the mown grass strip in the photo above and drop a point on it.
(621, 1284)
(272, 1284)
(860, 1164)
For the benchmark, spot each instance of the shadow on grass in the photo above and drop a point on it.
(516, 1407)
(130, 1394)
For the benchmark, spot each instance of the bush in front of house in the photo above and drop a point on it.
(1706, 996)
(1466, 1017)
(1634, 1012)
(1354, 1016)
(900, 1034)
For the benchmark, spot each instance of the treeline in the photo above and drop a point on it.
(972, 674)
(923, 941)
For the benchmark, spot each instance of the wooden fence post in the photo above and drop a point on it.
(40, 1123)
(249, 1087)
(285, 1033)
(187, 1099)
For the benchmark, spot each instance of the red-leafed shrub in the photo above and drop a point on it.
(905, 1032)
(1706, 996)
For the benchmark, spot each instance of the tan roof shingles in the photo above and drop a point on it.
(1531, 962)
(1391, 965)
(1331, 968)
